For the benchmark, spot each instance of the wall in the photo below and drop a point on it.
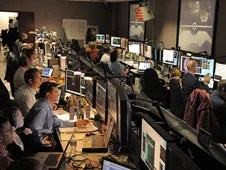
(50, 13)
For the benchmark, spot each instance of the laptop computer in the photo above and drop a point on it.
(98, 142)
(53, 160)
(143, 65)
(109, 164)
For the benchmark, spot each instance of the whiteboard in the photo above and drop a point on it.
(75, 28)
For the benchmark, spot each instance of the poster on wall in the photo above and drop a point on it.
(196, 27)
(136, 28)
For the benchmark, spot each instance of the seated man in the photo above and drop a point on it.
(41, 119)
(189, 81)
(218, 101)
(25, 96)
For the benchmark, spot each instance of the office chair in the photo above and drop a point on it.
(151, 85)
(199, 112)
(177, 102)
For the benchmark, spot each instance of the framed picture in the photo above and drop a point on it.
(196, 25)
(136, 28)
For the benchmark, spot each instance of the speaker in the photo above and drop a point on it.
(144, 14)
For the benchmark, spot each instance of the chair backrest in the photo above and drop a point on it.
(151, 85)
(106, 68)
(199, 112)
(177, 102)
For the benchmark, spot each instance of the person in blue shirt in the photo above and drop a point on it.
(115, 66)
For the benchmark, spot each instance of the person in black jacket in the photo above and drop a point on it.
(90, 35)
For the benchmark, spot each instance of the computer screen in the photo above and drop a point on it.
(147, 51)
(134, 47)
(143, 65)
(100, 38)
(107, 39)
(220, 71)
(90, 91)
(170, 57)
(154, 141)
(73, 82)
(101, 99)
(109, 164)
(124, 43)
(141, 49)
(204, 67)
(47, 72)
(112, 101)
(115, 41)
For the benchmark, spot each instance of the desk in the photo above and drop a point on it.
(129, 63)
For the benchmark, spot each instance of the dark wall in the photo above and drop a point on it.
(50, 13)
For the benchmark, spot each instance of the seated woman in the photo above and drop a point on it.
(16, 120)
(115, 66)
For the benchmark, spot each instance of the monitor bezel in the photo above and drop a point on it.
(168, 63)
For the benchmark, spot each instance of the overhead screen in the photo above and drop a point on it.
(170, 57)
(204, 67)
(220, 71)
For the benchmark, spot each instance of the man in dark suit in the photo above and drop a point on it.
(189, 81)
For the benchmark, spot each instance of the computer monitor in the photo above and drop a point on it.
(90, 91)
(109, 164)
(204, 67)
(141, 49)
(112, 101)
(47, 72)
(73, 82)
(154, 141)
(134, 47)
(170, 57)
(101, 99)
(107, 38)
(115, 41)
(220, 71)
(100, 38)
(124, 43)
(147, 51)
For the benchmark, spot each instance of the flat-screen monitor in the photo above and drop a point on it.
(100, 38)
(204, 67)
(141, 49)
(47, 72)
(101, 99)
(220, 71)
(154, 141)
(124, 43)
(73, 82)
(112, 101)
(115, 41)
(90, 91)
(147, 51)
(134, 47)
(109, 164)
(170, 57)
(107, 39)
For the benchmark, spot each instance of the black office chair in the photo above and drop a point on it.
(177, 105)
(106, 68)
(152, 86)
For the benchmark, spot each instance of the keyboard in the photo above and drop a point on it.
(98, 125)
(52, 160)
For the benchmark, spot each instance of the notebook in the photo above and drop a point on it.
(109, 164)
(98, 142)
(143, 65)
(52, 160)
(47, 72)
